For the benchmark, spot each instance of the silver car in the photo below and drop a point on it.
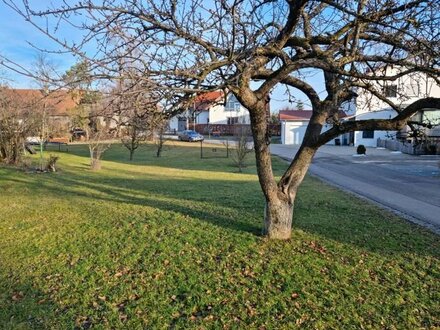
(190, 136)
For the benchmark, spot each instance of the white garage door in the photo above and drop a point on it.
(296, 134)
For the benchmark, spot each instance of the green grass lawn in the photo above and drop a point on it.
(174, 243)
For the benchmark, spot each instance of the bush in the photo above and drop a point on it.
(361, 150)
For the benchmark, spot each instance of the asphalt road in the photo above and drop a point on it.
(408, 185)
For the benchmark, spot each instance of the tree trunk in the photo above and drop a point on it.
(278, 215)
(159, 149)
(279, 208)
(131, 154)
(95, 165)
(280, 196)
(95, 159)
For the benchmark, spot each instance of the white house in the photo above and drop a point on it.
(402, 92)
(294, 124)
(212, 108)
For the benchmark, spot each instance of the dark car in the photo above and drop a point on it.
(190, 136)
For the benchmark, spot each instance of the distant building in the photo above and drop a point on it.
(211, 108)
(57, 106)
(402, 92)
(294, 124)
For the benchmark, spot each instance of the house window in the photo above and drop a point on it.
(232, 120)
(417, 117)
(368, 134)
(232, 104)
(390, 91)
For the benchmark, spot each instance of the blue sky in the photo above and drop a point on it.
(17, 35)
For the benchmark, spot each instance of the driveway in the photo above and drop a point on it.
(408, 185)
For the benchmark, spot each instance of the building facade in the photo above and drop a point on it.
(211, 108)
(402, 92)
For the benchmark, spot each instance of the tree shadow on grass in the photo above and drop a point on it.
(185, 196)
(22, 306)
(238, 206)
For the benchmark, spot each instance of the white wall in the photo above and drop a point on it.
(292, 132)
(173, 123)
(203, 117)
(218, 114)
(372, 142)
(343, 138)
(410, 88)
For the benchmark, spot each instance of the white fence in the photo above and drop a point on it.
(407, 148)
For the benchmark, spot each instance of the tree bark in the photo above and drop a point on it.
(95, 164)
(95, 160)
(278, 217)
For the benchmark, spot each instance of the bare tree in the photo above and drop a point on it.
(243, 146)
(19, 119)
(98, 142)
(135, 134)
(160, 126)
(44, 71)
(250, 47)
(136, 106)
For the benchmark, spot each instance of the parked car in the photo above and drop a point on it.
(78, 134)
(190, 136)
(33, 140)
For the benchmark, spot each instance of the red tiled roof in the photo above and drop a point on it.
(295, 115)
(59, 103)
(205, 100)
(301, 115)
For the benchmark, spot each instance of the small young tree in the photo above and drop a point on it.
(243, 146)
(160, 126)
(135, 134)
(135, 112)
(44, 71)
(98, 142)
(133, 103)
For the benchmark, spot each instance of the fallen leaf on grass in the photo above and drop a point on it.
(17, 296)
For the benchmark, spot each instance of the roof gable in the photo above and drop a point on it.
(295, 115)
(206, 100)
